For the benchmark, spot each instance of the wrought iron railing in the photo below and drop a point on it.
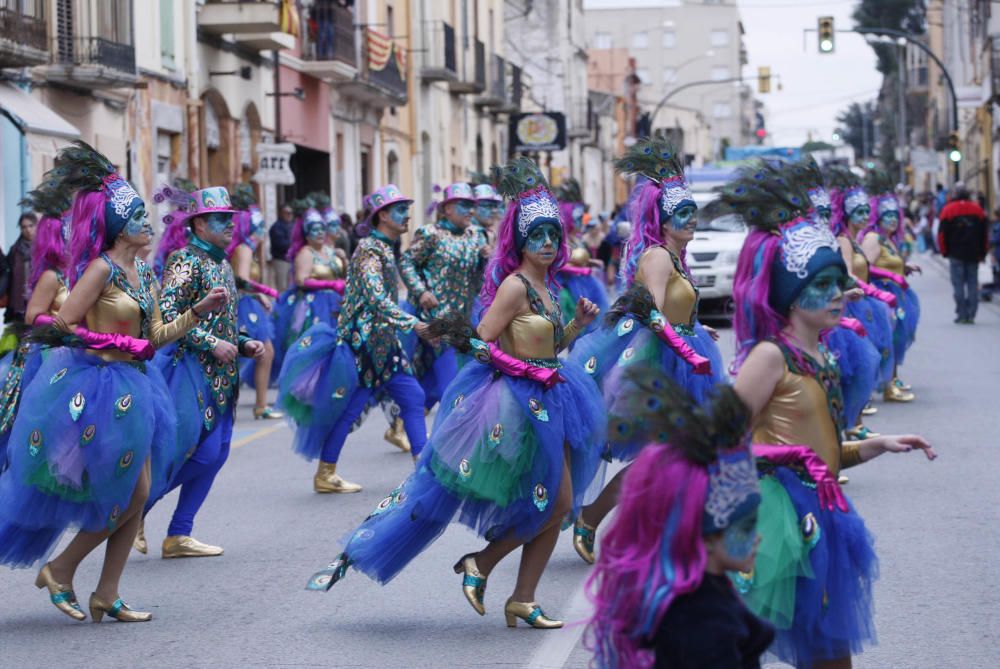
(23, 22)
(480, 68)
(96, 51)
(329, 34)
(515, 92)
(439, 51)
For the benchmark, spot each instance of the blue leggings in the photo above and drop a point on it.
(437, 379)
(196, 476)
(404, 391)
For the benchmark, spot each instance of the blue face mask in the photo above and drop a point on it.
(138, 223)
(683, 217)
(486, 210)
(577, 217)
(400, 213)
(890, 221)
(463, 207)
(739, 538)
(860, 215)
(544, 235)
(315, 230)
(823, 215)
(822, 290)
(219, 224)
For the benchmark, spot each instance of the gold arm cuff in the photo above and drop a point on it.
(570, 332)
(850, 454)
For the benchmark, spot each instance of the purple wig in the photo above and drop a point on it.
(897, 237)
(88, 240)
(298, 239)
(652, 553)
(566, 216)
(647, 229)
(175, 236)
(48, 251)
(838, 217)
(506, 258)
(241, 232)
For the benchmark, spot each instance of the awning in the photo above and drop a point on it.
(31, 115)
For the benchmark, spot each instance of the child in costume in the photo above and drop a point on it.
(816, 562)
(687, 515)
(517, 439)
(656, 322)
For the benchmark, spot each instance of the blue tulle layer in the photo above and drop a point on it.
(876, 316)
(14, 378)
(834, 612)
(495, 460)
(574, 287)
(295, 311)
(608, 353)
(858, 360)
(256, 321)
(316, 383)
(907, 318)
(84, 430)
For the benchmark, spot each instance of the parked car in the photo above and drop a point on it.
(713, 252)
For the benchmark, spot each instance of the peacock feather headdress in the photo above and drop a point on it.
(243, 196)
(807, 176)
(658, 160)
(522, 182)
(881, 187)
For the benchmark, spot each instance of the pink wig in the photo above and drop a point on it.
(838, 217)
(298, 239)
(647, 229)
(652, 553)
(48, 251)
(88, 240)
(507, 258)
(241, 232)
(175, 236)
(897, 237)
(566, 216)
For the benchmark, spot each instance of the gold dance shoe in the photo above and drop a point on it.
(583, 540)
(894, 394)
(182, 547)
(267, 413)
(869, 410)
(473, 582)
(531, 613)
(843, 480)
(905, 387)
(860, 432)
(62, 596)
(119, 611)
(328, 480)
(396, 436)
(139, 543)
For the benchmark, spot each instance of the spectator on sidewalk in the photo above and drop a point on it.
(962, 238)
(19, 269)
(994, 255)
(281, 241)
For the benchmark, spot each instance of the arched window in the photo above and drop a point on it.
(392, 167)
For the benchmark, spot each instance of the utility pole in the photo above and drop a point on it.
(902, 140)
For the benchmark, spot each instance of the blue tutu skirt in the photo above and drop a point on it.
(907, 317)
(494, 461)
(17, 369)
(318, 379)
(84, 430)
(858, 360)
(814, 573)
(295, 312)
(876, 316)
(575, 286)
(256, 321)
(609, 352)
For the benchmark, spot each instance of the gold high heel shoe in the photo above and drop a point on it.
(473, 582)
(583, 540)
(267, 413)
(119, 611)
(62, 596)
(869, 410)
(531, 613)
(894, 394)
(328, 480)
(139, 543)
(396, 436)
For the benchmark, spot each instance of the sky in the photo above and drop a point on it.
(815, 86)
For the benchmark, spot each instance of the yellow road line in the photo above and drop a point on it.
(263, 432)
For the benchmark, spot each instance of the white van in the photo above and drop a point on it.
(713, 253)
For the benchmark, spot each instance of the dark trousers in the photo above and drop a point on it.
(965, 284)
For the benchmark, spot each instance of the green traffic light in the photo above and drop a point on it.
(826, 45)
(955, 155)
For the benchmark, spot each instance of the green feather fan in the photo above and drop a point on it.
(840, 177)
(242, 196)
(78, 166)
(653, 157)
(47, 201)
(879, 182)
(517, 176)
(764, 197)
(319, 199)
(804, 174)
(569, 191)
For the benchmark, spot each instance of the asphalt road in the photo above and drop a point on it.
(934, 522)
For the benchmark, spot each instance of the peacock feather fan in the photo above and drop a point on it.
(453, 329)
(840, 178)
(47, 201)
(655, 158)
(763, 197)
(179, 194)
(637, 301)
(78, 166)
(879, 182)
(805, 174)
(243, 196)
(479, 179)
(319, 199)
(300, 205)
(569, 191)
(666, 413)
(517, 176)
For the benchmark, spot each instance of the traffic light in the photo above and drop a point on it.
(825, 30)
(954, 151)
(763, 79)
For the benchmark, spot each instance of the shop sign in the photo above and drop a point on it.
(542, 131)
(274, 164)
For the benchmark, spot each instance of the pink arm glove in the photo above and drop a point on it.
(140, 349)
(659, 325)
(827, 488)
(575, 269)
(265, 290)
(877, 293)
(320, 284)
(886, 274)
(512, 366)
(854, 325)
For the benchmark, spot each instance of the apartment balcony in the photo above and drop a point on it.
(23, 37)
(91, 62)
(495, 94)
(329, 43)
(381, 79)
(580, 119)
(512, 91)
(255, 24)
(438, 61)
(471, 73)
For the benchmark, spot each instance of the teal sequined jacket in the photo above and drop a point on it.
(370, 318)
(446, 261)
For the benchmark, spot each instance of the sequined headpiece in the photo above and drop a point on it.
(523, 183)
(486, 193)
(212, 200)
(658, 160)
(458, 191)
(853, 198)
(385, 196)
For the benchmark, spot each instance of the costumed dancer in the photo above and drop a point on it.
(254, 306)
(815, 564)
(331, 374)
(517, 438)
(857, 355)
(96, 422)
(49, 289)
(850, 210)
(488, 214)
(443, 260)
(201, 369)
(337, 236)
(318, 282)
(175, 230)
(880, 242)
(687, 516)
(582, 276)
(655, 323)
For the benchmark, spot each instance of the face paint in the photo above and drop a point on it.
(577, 217)
(822, 290)
(682, 218)
(823, 214)
(484, 211)
(400, 213)
(219, 224)
(314, 230)
(463, 207)
(256, 223)
(545, 234)
(739, 538)
(138, 223)
(860, 215)
(890, 221)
